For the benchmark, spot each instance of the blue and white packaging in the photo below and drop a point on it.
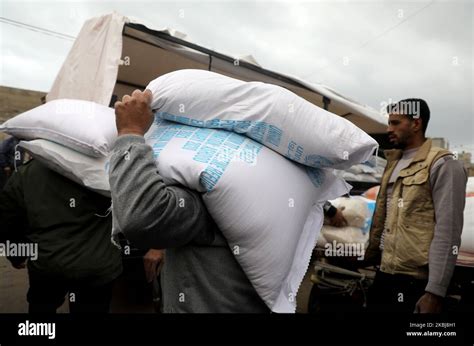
(267, 207)
(269, 114)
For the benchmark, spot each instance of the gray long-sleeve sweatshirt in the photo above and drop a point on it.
(200, 273)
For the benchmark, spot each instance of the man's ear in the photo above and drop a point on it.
(417, 124)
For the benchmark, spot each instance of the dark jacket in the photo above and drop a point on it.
(65, 219)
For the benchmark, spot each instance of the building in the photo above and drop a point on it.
(440, 142)
(465, 158)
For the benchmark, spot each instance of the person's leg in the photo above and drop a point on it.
(380, 294)
(413, 290)
(395, 293)
(91, 298)
(45, 296)
(157, 295)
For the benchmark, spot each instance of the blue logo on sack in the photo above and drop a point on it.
(318, 161)
(212, 147)
(316, 175)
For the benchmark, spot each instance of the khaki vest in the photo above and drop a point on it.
(410, 226)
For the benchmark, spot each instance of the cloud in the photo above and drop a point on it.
(389, 56)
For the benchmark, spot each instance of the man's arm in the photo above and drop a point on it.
(153, 262)
(448, 187)
(149, 213)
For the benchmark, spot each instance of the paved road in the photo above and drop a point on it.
(14, 286)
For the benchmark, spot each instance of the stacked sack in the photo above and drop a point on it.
(357, 211)
(368, 172)
(261, 156)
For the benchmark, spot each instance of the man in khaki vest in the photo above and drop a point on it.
(417, 224)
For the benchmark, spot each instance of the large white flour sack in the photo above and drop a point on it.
(80, 125)
(267, 207)
(269, 114)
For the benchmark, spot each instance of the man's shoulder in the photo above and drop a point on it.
(447, 163)
(440, 156)
(22, 170)
(29, 163)
(32, 166)
(439, 150)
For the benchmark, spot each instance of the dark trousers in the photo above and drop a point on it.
(46, 296)
(394, 293)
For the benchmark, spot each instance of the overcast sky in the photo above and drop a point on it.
(371, 51)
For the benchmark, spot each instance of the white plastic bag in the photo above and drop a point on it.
(354, 209)
(352, 239)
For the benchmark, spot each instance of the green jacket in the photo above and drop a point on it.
(65, 220)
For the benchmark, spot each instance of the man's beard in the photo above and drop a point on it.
(400, 145)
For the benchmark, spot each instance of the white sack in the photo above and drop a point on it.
(84, 126)
(354, 209)
(344, 235)
(269, 114)
(358, 215)
(467, 238)
(268, 208)
(343, 241)
(87, 171)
